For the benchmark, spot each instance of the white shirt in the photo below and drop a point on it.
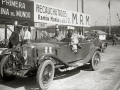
(25, 34)
(75, 37)
(60, 37)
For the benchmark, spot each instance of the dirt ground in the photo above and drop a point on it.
(105, 78)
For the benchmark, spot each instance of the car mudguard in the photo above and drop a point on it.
(90, 54)
(6, 51)
(46, 56)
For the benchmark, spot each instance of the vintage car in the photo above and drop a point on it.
(41, 58)
(91, 36)
(101, 44)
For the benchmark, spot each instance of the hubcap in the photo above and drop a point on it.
(96, 61)
(7, 66)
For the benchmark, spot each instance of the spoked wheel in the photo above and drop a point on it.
(45, 74)
(95, 61)
(4, 65)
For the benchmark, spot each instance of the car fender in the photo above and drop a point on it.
(90, 54)
(7, 51)
(46, 56)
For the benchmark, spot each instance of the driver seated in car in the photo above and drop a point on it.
(74, 42)
(58, 36)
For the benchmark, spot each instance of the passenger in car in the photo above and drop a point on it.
(75, 42)
(67, 36)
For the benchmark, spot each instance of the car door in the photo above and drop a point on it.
(86, 46)
(64, 52)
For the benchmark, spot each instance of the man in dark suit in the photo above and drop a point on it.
(15, 39)
(114, 38)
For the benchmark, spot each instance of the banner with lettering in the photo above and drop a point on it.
(47, 14)
(17, 9)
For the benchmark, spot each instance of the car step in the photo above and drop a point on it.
(66, 69)
(72, 67)
(78, 64)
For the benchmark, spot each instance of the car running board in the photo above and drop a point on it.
(71, 66)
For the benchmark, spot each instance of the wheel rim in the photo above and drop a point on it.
(7, 65)
(47, 74)
(96, 61)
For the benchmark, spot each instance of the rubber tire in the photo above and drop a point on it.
(40, 73)
(93, 67)
(3, 76)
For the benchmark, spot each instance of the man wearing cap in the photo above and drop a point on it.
(14, 39)
(58, 35)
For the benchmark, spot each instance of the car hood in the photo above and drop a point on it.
(44, 45)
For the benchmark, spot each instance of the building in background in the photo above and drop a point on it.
(102, 35)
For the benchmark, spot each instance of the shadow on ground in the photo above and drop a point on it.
(30, 83)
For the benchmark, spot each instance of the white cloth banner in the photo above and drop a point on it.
(47, 14)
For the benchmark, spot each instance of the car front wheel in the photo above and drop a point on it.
(4, 65)
(95, 61)
(45, 74)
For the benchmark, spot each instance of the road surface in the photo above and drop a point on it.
(105, 78)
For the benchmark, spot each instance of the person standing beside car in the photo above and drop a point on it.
(15, 38)
(114, 38)
(96, 35)
(25, 34)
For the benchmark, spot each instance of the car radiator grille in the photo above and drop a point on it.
(27, 53)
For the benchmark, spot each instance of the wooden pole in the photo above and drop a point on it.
(83, 30)
(77, 5)
(109, 20)
(5, 34)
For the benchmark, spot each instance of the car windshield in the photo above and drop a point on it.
(48, 33)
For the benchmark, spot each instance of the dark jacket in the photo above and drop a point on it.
(114, 38)
(14, 39)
